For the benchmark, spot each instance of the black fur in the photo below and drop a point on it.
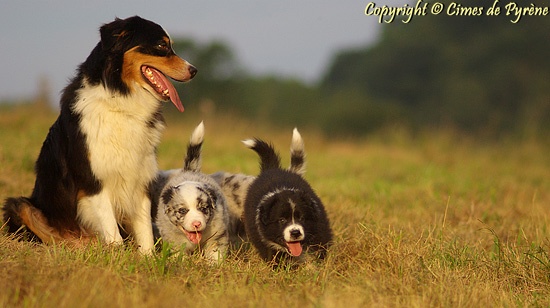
(297, 159)
(11, 209)
(105, 62)
(192, 160)
(268, 157)
(268, 210)
(154, 190)
(167, 195)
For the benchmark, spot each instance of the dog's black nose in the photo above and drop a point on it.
(192, 71)
(295, 233)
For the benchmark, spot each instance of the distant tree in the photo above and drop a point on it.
(218, 71)
(223, 84)
(481, 74)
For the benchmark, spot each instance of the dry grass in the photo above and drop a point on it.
(430, 221)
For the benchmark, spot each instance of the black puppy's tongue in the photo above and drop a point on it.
(295, 248)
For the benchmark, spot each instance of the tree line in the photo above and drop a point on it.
(481, 75)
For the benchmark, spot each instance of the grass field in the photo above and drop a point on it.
(434, 220)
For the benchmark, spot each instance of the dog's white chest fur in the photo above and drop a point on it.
(121, 142)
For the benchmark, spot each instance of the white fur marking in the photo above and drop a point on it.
(121, 149)
(293, 227)
(276, 191)
(96, 212)
(249, 143)
(188, 194)
(297, 143)
(198, 134)
(297, 148)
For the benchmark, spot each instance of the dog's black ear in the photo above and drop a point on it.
(264, 211)
(113, 33)
(168, 194)
(212, 195)
(312, 207)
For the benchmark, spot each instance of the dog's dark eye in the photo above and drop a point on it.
(162, 46)
(205, 210)
(282, 221)
(183, 211)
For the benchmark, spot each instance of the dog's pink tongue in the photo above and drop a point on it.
(165, 84)
(295, 248)
(194, 237)
(174, 97)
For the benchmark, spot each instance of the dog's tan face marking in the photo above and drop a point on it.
(150, 71)
(170, 65)
(81, 194)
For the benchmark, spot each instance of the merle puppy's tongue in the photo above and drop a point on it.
(162, 84)
(194, 237)
(295, 248)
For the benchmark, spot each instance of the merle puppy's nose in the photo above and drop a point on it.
(192, 71)
(295, 233)
(196, 224)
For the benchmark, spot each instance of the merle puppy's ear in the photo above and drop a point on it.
(215, 198)
(168, 194)
(112, 33)
(212, 194)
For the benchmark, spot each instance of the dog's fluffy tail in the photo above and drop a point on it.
(297, 154)
(11, 216)
(268, 157)
(192, 161)
(19, 212)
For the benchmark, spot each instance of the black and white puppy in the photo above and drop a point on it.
(189, 208)
(235, 187)
(283, 216)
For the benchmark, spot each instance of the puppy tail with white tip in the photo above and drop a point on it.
(268, 157)
(192, 161)
(297, 154)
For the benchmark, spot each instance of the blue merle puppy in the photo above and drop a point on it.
(189, 208)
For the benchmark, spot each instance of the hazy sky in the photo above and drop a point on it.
(290, 38)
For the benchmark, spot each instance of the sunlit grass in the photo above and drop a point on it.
(434, 220)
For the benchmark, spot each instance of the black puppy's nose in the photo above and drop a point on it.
(192, 71)
(295, 233)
